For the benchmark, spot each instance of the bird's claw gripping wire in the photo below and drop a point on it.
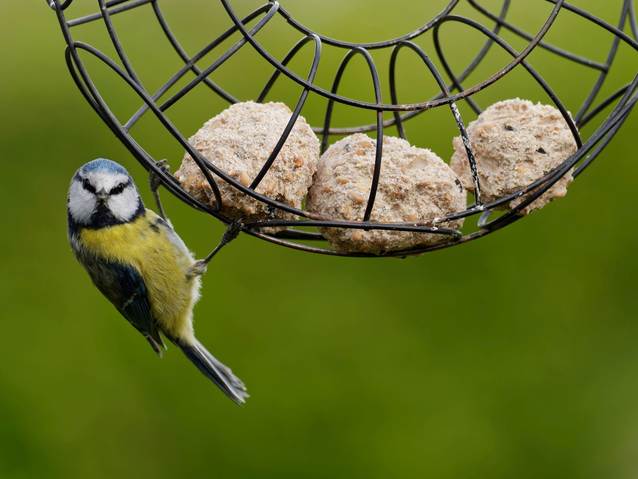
(232, 231)
(198, 268)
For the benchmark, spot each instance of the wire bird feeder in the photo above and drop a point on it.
(288, 233)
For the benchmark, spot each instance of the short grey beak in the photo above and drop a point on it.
(102, 194)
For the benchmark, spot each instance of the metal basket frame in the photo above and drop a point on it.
(623, 100)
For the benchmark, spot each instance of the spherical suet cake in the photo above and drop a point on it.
(415, 186)
(239, 141)
(516, 142)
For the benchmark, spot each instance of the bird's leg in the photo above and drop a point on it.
(232, 231)
(155, 182)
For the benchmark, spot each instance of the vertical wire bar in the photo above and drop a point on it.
(455, 112)
(379, 143)
(603, 75)
(293, 117)
(92, 101)
(116, 41)
(287, 59)
(633, 24)
(616, 112)
(393, 92)
(378, 157)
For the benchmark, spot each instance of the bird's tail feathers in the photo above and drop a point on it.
(216, 371)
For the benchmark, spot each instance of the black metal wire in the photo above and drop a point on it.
(295, 113)
(621, 102)
(455, 111)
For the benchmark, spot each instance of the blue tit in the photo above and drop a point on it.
(140, 264)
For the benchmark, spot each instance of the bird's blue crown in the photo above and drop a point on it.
(102, 164)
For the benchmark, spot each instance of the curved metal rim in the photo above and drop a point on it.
(387, 106)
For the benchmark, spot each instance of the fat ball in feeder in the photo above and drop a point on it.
(416, 186)
(516, 142)
(239, 141)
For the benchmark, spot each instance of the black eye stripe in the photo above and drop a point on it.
(119, 188)
(116, 190)
(86, 184)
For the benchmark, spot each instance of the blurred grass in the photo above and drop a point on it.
(513, 356)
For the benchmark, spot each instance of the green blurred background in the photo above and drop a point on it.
(512, 356)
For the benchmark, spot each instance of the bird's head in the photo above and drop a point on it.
(102, 193)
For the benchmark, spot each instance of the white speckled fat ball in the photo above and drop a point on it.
(239, 141)
(415, 186)
(516, 142)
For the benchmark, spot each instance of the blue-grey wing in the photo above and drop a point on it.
(172, 236)
(124, 287)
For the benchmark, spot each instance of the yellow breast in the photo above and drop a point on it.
(155, 250)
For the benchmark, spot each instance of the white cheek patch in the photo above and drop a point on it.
(81, 203)
(124, 206)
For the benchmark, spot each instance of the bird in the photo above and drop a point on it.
(138, 262)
